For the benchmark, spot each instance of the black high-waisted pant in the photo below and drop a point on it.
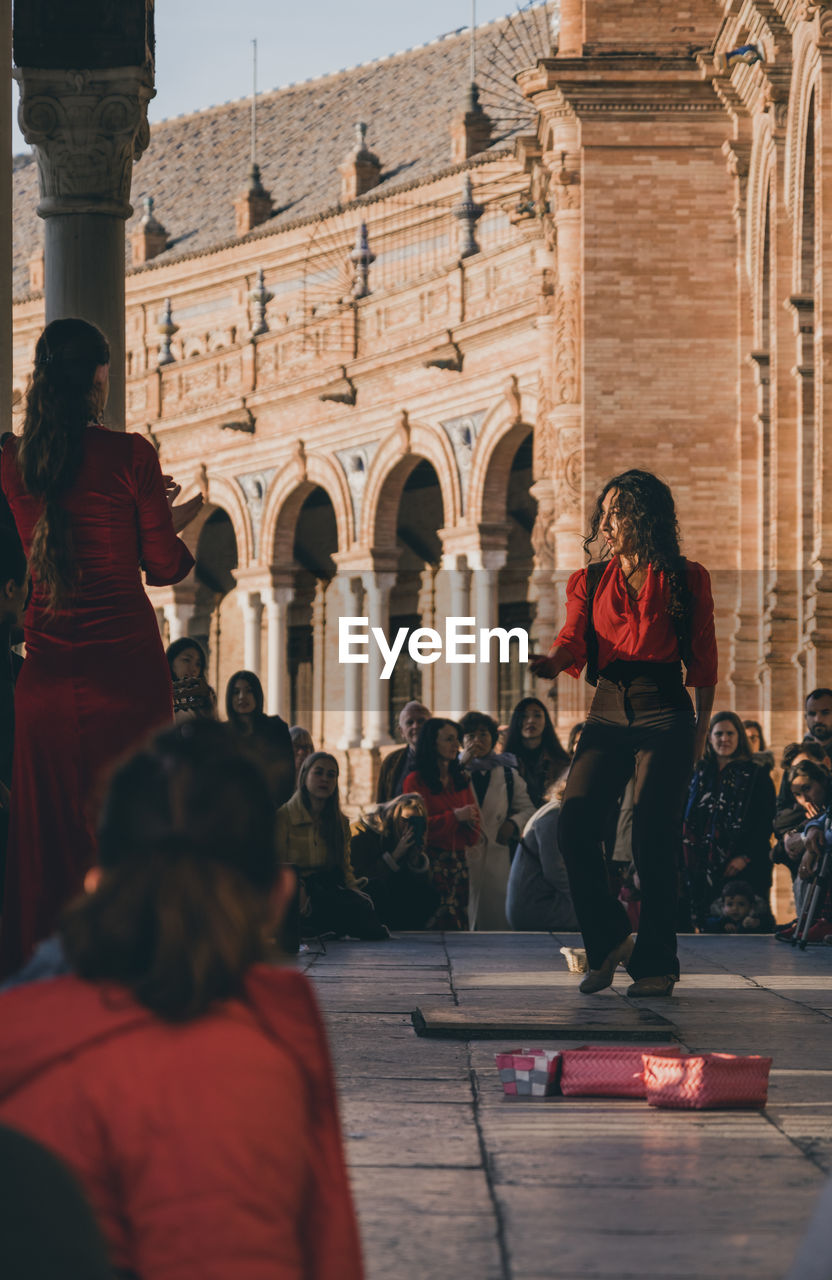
(641, 722)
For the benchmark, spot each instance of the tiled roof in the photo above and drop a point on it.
(197, 165)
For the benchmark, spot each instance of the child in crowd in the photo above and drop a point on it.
(313, 836)
(739, 909)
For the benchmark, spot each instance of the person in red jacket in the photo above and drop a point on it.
(633, 617)
(187, 1083)
(92, 509)
(453, 817)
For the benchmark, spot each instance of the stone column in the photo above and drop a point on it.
(252, 611)
(6, 218)
(486, 580)
(319, 681)
(426, 608)
(87, 128)
(177, 616)
(277, 601)
(351, 589)
(459, 577)
(377, 588)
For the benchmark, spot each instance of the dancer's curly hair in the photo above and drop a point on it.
(62, 400)
(645, 505)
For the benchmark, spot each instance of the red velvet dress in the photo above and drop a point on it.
(95, 681)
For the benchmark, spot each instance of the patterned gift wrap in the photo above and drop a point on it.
(601, 1071)
(529, 1073)
(706, 1081)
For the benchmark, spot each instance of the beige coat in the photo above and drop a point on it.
(299, 841)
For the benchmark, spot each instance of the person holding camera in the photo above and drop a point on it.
(388, 847)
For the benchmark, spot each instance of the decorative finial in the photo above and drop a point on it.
(468, 214)
(167, 329)
(362, 258)
(260, 298)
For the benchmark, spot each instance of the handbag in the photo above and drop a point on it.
(706, 1081)
(602, 1071)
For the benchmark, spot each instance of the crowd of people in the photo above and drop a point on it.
(161, 855)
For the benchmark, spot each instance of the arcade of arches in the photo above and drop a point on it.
(643, 277)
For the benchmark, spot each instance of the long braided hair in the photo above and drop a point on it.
(645, 505)
(62, 399)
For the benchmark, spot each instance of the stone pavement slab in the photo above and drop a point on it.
(451, 1179)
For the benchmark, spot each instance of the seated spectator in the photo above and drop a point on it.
(538, 896)
(453, 818)
(398, 764)
(760, 753)
(728, 818)
(811, 787)
(739, 909)
(193, 697)
(187, 1084)
(266, 738)
(791, 816)
(388, 847)
(534, 744)
(313, 836)
(505, 808)
(302, 746)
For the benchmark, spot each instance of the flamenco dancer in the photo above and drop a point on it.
(632, 618)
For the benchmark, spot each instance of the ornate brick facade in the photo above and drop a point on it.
(649, 288)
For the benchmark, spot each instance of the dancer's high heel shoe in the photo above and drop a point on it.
(598, 979)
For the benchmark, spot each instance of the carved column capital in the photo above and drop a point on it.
(87, 128)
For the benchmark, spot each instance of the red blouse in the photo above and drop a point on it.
(444, 832)
(640, 630)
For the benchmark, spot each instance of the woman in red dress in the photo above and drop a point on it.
(92, 509)
(453, 818)
(631, 618)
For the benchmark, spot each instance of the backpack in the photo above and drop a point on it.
(678, 580)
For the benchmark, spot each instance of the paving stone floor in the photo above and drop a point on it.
(452, 1180)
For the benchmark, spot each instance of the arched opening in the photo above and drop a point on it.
(419, 516)
(315, 543)
(515, 608)
(215, 623)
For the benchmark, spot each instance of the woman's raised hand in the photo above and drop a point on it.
(466, 814)
(185, 512)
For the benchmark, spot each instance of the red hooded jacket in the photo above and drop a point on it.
(209, 1148)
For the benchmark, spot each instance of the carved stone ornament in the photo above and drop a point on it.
(567, 303)
(299, 457)
(403, 431)
(87, 128)
(543, 438)
(255, 486)
(513, 400)
(568, 470)
(543, 535)
(462, 432)
(356, 467)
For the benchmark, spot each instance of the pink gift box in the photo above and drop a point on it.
(528, 1073)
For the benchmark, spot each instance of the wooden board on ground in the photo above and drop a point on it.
(478, 1023)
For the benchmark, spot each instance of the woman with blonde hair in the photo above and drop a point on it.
(388, 847)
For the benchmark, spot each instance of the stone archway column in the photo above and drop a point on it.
(377, 588)
(87, 128)
(486, 567)
(251, 608)
(351, 591)
(277, 600)
(459, 579)
(178, 615)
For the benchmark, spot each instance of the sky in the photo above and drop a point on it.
(203, 58)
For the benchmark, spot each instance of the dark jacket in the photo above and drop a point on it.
(402, 892)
